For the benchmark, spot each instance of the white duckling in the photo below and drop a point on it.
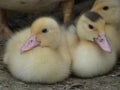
(94, 54)
(39, 53)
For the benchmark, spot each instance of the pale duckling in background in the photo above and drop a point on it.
(110, 11)
(94, 54)
(39, 53)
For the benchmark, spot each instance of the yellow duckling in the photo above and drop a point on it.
(109, 10)
(39, 53)
(94, 54)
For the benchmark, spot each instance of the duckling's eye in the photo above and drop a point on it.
(105, 8)
(44, 30)
(90, 26)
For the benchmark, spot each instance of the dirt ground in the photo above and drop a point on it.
(110, 81)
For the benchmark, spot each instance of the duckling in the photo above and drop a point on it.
(94, 54)
(39, 53)
(109, 10)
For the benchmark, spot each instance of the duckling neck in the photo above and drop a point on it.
(88, 43)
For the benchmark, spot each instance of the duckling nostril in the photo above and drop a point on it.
(101, 40)
(31, 41)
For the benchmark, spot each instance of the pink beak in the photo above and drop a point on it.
(102, 41)
(30, 44)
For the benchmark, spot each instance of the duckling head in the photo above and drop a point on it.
(91, 27)
(108, 9)
(45, 32)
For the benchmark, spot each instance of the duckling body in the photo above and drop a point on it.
(90, 60)
(113, 35)
(41, 64)
(94, 54)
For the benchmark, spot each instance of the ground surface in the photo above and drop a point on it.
(8, 82)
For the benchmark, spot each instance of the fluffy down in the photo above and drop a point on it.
(47, 63)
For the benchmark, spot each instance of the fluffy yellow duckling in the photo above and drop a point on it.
(94, 54)
(39, 53)
(109, 10)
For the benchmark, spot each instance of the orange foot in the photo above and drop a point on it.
(5, 32)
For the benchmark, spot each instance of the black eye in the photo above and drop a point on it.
(105, 8)
(90, 26)
(44, 30)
